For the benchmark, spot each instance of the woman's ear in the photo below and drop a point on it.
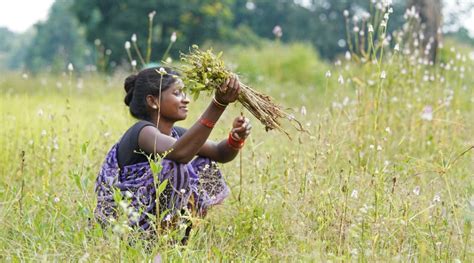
(152, 102)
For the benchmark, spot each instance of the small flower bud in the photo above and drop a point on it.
(328, 74)
(277, 31)
(151, 15)
(173, 37)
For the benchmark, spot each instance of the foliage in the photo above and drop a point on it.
(204, 71)
(114, 22)
(58, 42)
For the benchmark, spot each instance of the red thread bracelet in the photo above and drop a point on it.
(206, 122)
(235, 144)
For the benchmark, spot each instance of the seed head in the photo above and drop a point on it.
(328, 74)
(303, 110)
(151, 15)
(340, 80)
(370, 28)
(416, 190)
(397, 47)
(348, 55)
(134, 38)
(277, 31)
(173, 37)
(127, 45)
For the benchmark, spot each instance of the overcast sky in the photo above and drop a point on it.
(19, 15)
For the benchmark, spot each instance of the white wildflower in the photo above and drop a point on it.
(355, 194)
(379, 148)
(127, 45)
(173, 37)
(437, 198)
(56, 199)
(427, 113)
(370, 28)
(169, 60)
(134, 63)
(346, 13)
(134, 38)
(43, 133)
(416, 190)
(277, 31)
(383, 75)
(250, 5)
(303, 110)
(151, 15)
(162, 71)
(340, 80)
(397, 47)
(183, 191)
(70, 67)
(328, 74)
(348, 55)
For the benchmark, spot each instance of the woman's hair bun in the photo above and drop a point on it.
(129, 86)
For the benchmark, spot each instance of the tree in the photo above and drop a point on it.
(113, 22)
(57, 42)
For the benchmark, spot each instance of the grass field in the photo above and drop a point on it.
(384, 174)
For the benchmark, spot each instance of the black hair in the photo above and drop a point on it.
(146, 82)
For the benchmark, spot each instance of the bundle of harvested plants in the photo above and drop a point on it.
(205, 71)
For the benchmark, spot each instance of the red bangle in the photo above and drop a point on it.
(235, 144)
(206, 122)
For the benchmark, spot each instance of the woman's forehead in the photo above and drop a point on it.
(179, 84)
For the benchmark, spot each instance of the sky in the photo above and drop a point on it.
(19, 15)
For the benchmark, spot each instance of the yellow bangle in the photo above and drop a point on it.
(219, 104)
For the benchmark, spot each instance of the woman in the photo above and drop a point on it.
(193, 182)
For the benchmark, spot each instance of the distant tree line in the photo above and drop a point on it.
(90, 32)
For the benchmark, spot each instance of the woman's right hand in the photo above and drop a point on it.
(228, 91)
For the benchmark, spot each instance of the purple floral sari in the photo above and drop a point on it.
(197, 185)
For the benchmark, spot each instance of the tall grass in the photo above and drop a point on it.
(400, 190)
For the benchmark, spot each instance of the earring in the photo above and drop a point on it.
(154, 107)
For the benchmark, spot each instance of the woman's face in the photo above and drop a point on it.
(174, 103)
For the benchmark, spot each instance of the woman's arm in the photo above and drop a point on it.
(223, 152)
(183, 150)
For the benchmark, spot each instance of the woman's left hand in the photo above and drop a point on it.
(241, 128)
